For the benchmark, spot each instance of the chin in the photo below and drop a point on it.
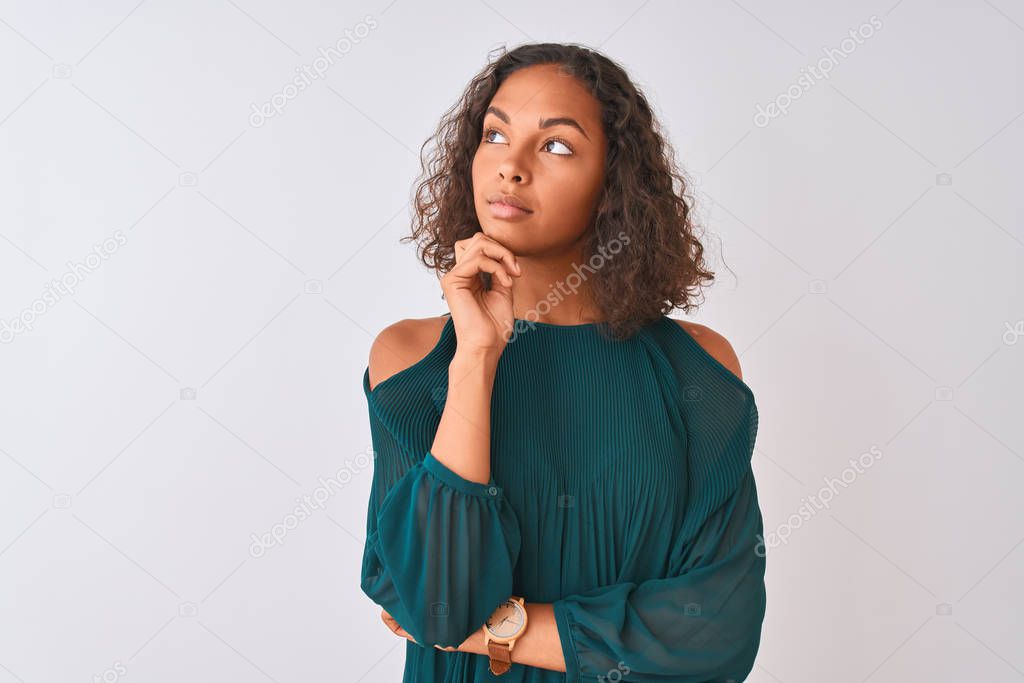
(497, 231)
(506, 233)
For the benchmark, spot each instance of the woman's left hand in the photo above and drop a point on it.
(466, 646)
(395, 627)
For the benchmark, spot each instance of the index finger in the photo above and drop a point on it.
(496, 250)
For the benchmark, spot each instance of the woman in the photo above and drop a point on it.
(562, 487)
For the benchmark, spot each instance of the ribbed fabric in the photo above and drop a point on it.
(621, 492)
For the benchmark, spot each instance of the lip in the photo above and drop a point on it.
(500, 209)
(508, 200)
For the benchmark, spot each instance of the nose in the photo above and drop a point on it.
(512, 169)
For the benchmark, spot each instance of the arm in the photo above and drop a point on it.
(463, 439)
(441, 538)
(538, 647)
(701, 624)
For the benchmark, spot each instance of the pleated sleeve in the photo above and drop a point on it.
(440, 549)
(701, 624)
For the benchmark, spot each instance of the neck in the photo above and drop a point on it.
(554, 292)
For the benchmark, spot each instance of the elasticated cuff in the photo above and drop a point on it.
(450, 478)
(562, 619)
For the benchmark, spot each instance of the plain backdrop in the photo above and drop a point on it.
(190, 283)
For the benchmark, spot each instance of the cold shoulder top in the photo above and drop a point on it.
(621, 492)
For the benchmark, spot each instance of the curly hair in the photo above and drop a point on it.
(644, 196)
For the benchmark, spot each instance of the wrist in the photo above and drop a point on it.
(482, 363)
(509, 623)
(475, 643)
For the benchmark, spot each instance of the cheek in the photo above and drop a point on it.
(574, 191)
(478, 169)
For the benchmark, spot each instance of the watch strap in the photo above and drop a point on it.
(500, 656)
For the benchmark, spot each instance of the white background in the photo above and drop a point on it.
(869, 245)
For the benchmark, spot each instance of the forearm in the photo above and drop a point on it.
(463, 439)
(463, 444)
(539, 646)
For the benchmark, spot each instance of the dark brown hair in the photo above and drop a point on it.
(644, 195)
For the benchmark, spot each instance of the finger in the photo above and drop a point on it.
(485, 264)
(498, 270)
(399, 631)
(461, 247)
(390, 622)
(491, 247)
(499, 251)
(464, 247)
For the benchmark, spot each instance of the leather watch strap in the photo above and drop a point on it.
(501, 657)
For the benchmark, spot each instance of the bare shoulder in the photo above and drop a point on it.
(401, 345)
(714, 343)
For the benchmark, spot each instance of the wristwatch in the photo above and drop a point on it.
(501, 630)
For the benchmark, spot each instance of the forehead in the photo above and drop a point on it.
(543, 91)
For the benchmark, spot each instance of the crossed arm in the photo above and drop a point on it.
(701, 621)
(539, 646)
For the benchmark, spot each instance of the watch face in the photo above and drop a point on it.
(507, 620)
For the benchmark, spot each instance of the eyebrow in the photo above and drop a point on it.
(542, 123)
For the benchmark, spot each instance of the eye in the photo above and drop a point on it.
(562, 143)
(558, 141)
(488, 131)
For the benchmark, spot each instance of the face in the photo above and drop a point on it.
(542, 141)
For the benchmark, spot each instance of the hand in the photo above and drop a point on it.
(390, 622)
(471, 644)
(474, 644)
(482, 317)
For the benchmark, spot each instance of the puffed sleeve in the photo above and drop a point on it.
(701, 624)
(440, 549)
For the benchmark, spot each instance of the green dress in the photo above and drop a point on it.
(621, 492)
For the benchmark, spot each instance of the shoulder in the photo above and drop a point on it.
(715, 344)
(402, 344)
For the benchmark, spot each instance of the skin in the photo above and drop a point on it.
(539, 645)
(411, 340)
(557, 171)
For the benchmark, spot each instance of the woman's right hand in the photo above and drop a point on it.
(483, 318)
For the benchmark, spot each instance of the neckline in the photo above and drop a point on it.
(538, 323)
(521, 323)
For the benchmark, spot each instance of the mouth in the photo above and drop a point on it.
(507, 206)
(500, 209)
